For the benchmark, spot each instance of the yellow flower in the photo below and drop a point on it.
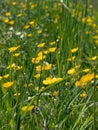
(11, 22)
(48, 67)
(1, 77)
(12, 49)
(35, 60)
(7, 84)
(55, 93)
(28, 108)
(32, 23)
(74, 50)
(16, 54)
(83, 95)
(19, 15)
(6, 76)
(37, 76)
(16, 94)
(72, 58)
(28, 85)
(18, 68)
(52, 43)
(50, 80)
(86, 70)
(6, 20)
(71, 71)
(93, 58)
(52, 49)
(83, 19)
(39, 31)
(86, 78)
(11, 66)
(30, 35)
(41, 45)
(14, 3)
(7, 14)
(27, 26)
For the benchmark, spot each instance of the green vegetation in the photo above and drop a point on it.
(48, 65)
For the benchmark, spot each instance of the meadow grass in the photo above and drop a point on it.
(48, 65)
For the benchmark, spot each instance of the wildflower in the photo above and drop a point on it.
(27, 26)
(30, 35)
(72, 58)
(86, 79)
(93, 58)
(16, 94)
(19, 15)
(12, 49)
(52, 49)
(86, 70)
(35, 60)
(41, 45)
(32, 23)
(14, 3)
(17, 67)
(7, 84)
(83, 95)
(11, 22)
(28, 108)
(7, 14)
(50, 80)
(39, 31)
(11, 66)
(28, 85)
(83, 19)
(16, 54)
(6, 20)
(55, 93)
(6, 76)
(74, 50)
(37, 76)
(52, 43)
(71, 71)
(1, 77)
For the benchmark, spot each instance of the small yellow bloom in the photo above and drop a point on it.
(39, 31)
(11, 66)
(27, 26)
(14, 3)
(41, 45)
(72, 58)
(93, 58)
(7, 84)
(30, 35)
(71, 71)
(16, 94)
(6, 76)
(1, 77)
(52, 49)
(32, 23)
(16, 54)
(83, 95)
(6, 20)
(50, 80)
(74, 50)
(18, 68)
(52, 43)
(28, 85)
(86, 70)
(28, 108)
(7, 14)
(12, 49)
(19, 15)
(37, 76)
(11, 22)
(86, 78)
(55, 93)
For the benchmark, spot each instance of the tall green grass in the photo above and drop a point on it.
(48, 65)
